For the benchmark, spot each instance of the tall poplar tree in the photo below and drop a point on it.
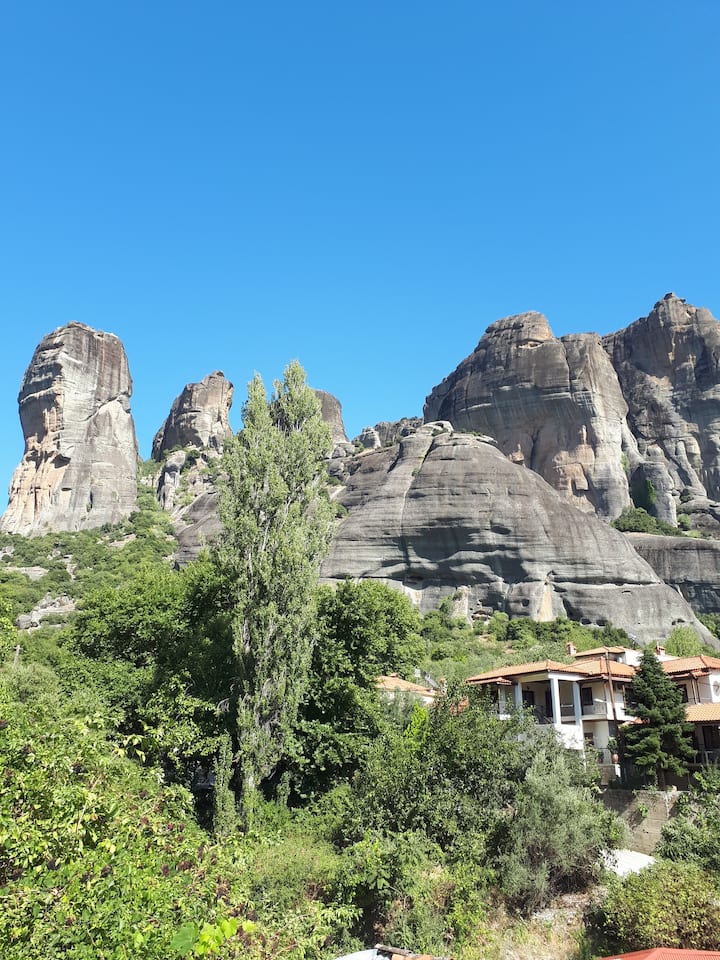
(662, 740)
(276, 528)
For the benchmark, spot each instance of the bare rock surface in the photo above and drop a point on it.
(444, 510)
(554, 406)
(691, 566)
(198, 417)
(668, 365)
(80, 462)
(332, 415)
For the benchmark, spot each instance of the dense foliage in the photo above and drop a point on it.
(638, 520)
(671, 904)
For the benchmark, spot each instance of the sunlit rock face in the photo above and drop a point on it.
(79, 468)
(444, 510)
(668, 365)
(198, 417)
(553, 405)
(331, 410)
(690, 566)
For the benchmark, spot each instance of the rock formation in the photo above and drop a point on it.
(443, 510)
(668, 365)
(332, 415)
(553, 405)
(691, 566)
(80, 462)
(198, 417)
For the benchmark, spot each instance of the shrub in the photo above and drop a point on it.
(554, 833)
(638, 520)
(672, 904)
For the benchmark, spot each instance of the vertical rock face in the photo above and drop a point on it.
(332, 415)
(79, 468)
(553, 405)
(198, 417)
(668, 364)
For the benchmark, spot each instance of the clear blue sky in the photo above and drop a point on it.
(362, 186)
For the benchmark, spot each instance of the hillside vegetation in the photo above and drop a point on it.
(129, 824)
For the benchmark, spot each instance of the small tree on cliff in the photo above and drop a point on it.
(662, 740)
(275, 531)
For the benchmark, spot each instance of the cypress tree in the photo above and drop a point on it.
(276, 528)
(662, 740)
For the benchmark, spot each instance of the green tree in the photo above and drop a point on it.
(364, 629)
(662, 740)
(684, 642)
(276, 527)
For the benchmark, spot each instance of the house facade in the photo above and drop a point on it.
(585, 701)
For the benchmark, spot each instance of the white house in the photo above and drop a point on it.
(585, 700)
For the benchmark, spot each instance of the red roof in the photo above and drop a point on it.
(666, 953)
(588, 668)
(700, 663)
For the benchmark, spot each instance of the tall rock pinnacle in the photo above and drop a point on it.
(79, 469)
(555, 406)
(198, 417)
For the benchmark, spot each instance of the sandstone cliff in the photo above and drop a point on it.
(332, 415)
(198, 417)
(668, 365)
(553, 405)
(80, 462)
(444, 510)
(691, 566)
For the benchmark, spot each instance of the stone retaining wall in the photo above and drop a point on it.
(645, 812)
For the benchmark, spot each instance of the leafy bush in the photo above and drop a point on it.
(98, 861)
(555, 832)
(672, 904)
(638, 520)
(693, 835)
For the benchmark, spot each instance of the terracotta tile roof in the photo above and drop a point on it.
(619, 670)
(591, 668)
(393, 683)
(596, 650)
(703, 712)
(666, 953)
(690, 664)
(520, 669)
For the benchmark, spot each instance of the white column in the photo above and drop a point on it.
(555, 697)
(577, 706)
(518, 695)
(501, 700)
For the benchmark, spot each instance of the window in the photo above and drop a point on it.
(586, 695)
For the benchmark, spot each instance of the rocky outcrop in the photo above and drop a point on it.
(553, 405)
(387, 432)
(80, 462)
(668, 365)
(691, 566)
(198, 417)
(443, 510)
(332, 415)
